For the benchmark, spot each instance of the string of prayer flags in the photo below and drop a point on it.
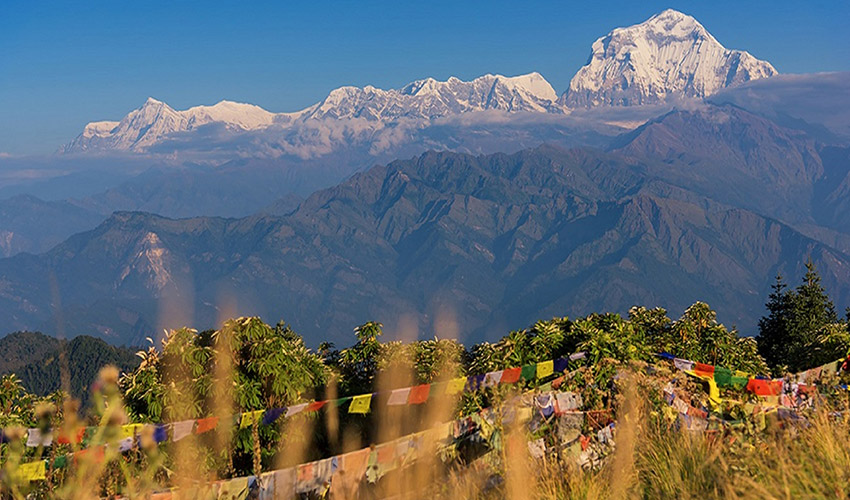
(545, 368)
(206, 424)
(360, 404)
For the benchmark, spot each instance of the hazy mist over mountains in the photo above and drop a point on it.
(671, 169)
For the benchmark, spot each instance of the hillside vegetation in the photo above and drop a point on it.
(599, 414)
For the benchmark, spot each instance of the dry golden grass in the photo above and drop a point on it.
(651, 459)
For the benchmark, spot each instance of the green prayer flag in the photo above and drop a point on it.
(723, 376)
(528, 372)
(341, 401)
(738, 382)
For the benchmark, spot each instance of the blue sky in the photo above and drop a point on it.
(63, 64)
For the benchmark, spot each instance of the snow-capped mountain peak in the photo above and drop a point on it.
(422, 100)
(670, 55)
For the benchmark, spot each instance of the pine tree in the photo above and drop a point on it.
(812, 311)
(775, 333)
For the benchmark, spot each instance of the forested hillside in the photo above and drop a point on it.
(45, 364)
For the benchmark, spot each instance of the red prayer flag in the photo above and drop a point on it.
(511, 375)
(315, 405)
(419, 394)
(703, 369)
(206, 424)
(75, 438)
(761, 387)
(386, 454)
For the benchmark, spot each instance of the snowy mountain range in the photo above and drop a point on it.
(671, 55)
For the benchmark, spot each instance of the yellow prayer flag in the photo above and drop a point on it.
(360, 404)
(32, 471)
(545, 368)
(713, 391)
(248, 418)
(130, 430)
(455, 385)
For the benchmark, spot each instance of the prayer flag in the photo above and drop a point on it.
(36, 438)
(398, 397)
(130, 430)
(32, 471)
(739, 382)
(181, 429)
(346, 479)
(419, 394)
(723, 376)
(683, 364)
(67, 436)
(360, 404)
(386, 454)
(295, 409)
(492, 379)
(455, 386)
(578, 355)
(315, 406)
(545, 368)
(271, 416)
(304, 477)
(528, 372)
(703, 369)
(125, 444)
(764, 387)
(473, 382)
(278, 485)
(511, 375)
(160, 434)
(560, 365)
(206, 424)
(249, 417)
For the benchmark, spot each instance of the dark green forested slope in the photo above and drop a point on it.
(36, 359)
